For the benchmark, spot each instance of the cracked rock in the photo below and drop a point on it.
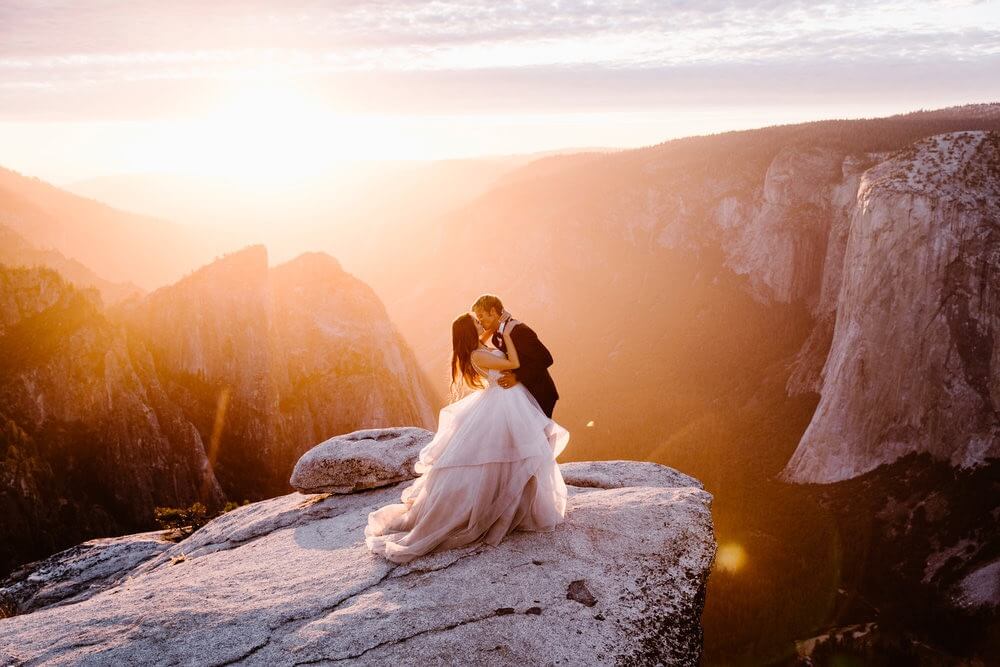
(289, 581)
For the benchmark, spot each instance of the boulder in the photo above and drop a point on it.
(360, 460)
(289, 581)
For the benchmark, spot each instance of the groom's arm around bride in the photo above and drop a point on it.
(533, 373)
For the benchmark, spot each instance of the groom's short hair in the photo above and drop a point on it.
(488, 302)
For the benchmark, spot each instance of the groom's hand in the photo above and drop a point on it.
(507, 380)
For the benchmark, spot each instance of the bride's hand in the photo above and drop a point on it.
(511, 347)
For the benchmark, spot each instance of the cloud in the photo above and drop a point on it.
(33, 29)
(549, 89)
(107, 59)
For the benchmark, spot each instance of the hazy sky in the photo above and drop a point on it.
(261, 88)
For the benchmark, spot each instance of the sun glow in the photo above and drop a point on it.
(265, 132)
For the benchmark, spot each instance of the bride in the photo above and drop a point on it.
(490, 468)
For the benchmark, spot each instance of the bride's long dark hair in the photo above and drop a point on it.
(464, 341)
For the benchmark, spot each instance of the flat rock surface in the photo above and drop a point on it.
(360, 460)
(289, 581)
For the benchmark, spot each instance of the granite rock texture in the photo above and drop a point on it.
(360, 460)
(289, 581)
(918, 317)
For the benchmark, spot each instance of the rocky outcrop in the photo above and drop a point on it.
(917, 319)
(268, 361)
(981, 587)
(618, 474)
(289, 581)
(360, 460)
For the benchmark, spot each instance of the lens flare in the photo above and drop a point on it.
(731, 557)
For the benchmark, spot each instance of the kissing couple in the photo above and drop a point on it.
(491, 466)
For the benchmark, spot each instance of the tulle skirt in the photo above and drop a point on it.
(490, 469)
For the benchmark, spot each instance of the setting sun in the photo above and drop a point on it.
(264, 132)
(269, 132)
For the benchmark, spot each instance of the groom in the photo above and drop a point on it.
(534, 356)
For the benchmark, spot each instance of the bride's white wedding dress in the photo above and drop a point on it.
(490, 469)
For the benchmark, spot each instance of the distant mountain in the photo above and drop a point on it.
(151, 228)
(118, 245)
(205, 390)
(16, 251)
(347, 211)
(359, 187)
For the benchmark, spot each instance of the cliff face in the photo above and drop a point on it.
(896, 256)
(289, 580)
(778, 236)
(90, 441)
(268, 361)
(365, 367)
(917, 317)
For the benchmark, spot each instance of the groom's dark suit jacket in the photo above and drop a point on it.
(535, 360)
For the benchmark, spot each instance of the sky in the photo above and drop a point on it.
(283, 89)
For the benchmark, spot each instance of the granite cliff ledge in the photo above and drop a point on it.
(289, 581)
